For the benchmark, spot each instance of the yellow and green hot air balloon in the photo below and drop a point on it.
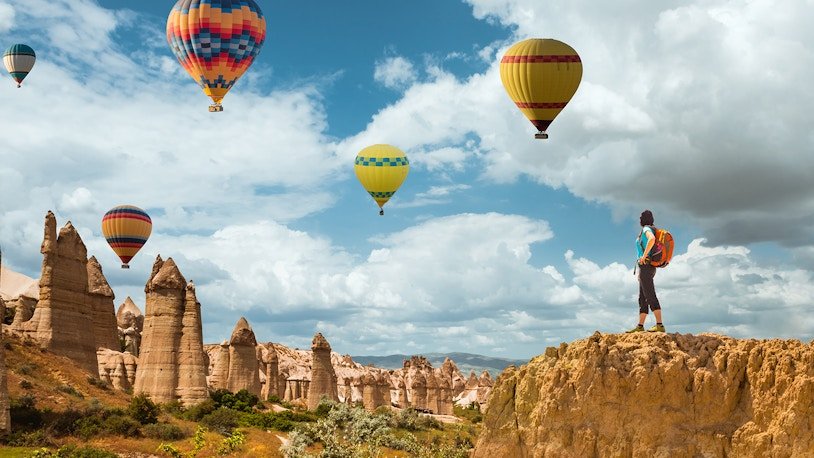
(19, 60)
(216, 41)
(381, 169)
(126, 229)
(541, 75)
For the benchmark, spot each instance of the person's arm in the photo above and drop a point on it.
(650, 241)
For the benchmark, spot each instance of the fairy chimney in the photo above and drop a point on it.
(243, 364)
(63, 320)
(171, 362)
(130, 322)
(432, 392)
(323, 377)
(105, 328)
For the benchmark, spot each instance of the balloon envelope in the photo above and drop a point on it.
(541, 76)
(216, 41)
(19, 60)
(381, 169)
(126, 229)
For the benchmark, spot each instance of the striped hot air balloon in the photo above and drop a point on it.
(126, 229)
(541, 76)
(381, 169)
(19, 60)
(216, 41)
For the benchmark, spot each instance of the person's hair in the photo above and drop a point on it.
(646, 219)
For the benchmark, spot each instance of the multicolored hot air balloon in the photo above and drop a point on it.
(19, 60)
(126, 229)
(541, 76)
(381, 169)
(216, 41)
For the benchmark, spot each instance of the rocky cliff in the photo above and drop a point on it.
(656, 395)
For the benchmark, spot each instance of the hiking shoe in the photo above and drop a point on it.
(657, 328)
(638, 328)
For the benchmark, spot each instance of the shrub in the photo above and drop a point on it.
(26, 369)
(242, 400)
(98, 383)
(122, 426)
(68, 389)
(170, 450)
(231, 443)
(72, 451)
(26, 385)
(36, 438)
(143, 410)
(24, 413)
(164, 431)
(174, 408)
(222, 421)
(198, 411)
(471, 413)
(274, 399)
(411, 420)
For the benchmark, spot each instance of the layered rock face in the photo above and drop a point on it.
(172, 364)
(130, 322)
(5, 420)
(270, 368)
(117, 368)
(105, 328)
(243, 362)
(655, 395)
(323, 377)
(63, 321)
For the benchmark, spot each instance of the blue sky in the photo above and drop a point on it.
(496, 243)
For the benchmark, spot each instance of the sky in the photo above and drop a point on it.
(497, 243)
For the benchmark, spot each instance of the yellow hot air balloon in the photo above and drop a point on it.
(126, 229)
(381, 169)
(541, 75)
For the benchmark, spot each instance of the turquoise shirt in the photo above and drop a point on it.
(641, 240)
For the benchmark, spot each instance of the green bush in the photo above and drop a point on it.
(26, 369)
(242, 400)
(68, 389)
(37, 438)
(274, 399)
(222, 421)
(24, 413)
(198, 411)
(164, 431)
(122, 425)
(174, 408)
(411, 420)
(471, 413)
(72, 451)
(143, 410)
(98, 383)
(26, 385)
(232, 443)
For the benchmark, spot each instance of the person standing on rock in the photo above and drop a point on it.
(647, 290)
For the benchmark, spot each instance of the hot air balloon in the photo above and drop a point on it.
(19, 60)
(381, 169)
(216, 41)
(541, 76)
(126, 229)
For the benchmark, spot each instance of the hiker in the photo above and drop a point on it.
(647, 290)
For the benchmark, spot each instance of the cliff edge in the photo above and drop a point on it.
(655, 395)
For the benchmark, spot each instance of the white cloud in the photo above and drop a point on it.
(434, 196)
(395, 72)
(6, 17)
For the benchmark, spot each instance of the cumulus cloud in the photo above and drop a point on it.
(395, 72)
(6, 17)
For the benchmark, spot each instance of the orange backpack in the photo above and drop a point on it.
(662, 252)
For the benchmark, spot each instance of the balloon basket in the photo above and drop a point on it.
(215, 108)
(381, 212)
(125, 266)
(541, 135)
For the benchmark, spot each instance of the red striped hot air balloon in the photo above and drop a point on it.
(126, 229)
(541, 76)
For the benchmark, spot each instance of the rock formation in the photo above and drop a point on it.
(63, 321)
(171, 361)
(270, 368)
(418, 390)
(218, 356)
(5, 419)
(130, 321)
(243, 363)
(445, 406)
(432, 393)
(655, 395)
(369, 395)
(20, 293)
(485, 384)
(105, 328)
(323, 377)
(402, 400)
(117, 368)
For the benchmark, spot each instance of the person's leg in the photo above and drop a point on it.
(642, 310)
(649, 291)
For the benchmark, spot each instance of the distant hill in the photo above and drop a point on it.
(465, 362)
